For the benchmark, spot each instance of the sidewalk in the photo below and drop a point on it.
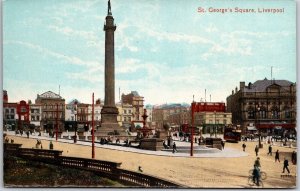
(210, 153)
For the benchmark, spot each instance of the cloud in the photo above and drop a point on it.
(69, 59)
(68, 31)
(177, 37)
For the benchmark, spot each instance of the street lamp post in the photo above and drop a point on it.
(215, 126)
(259, 135)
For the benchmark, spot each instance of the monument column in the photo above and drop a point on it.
(109, 29)
(109, 111)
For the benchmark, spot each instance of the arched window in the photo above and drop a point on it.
(262, 113)
(287, 112)
(275, 113)
(251, 113)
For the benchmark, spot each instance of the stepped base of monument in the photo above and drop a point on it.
(110, 129)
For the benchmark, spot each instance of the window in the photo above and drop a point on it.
(37, 118)
(32, 111)
(129, 118)
(275, 114)
(125, 118)
(125, 111)
(6, 110)
(32, 118)
(23, 109)
(251, 113)
(12, 110)
(262, 114)
(287, 113)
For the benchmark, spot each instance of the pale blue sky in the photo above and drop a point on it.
(165, 50)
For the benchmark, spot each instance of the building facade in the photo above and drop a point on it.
(268, 106)
(10, 115)
(97, 113)
(53, 111)
(137, 103)
(35, 115)
(212, 122)
(127, 115)
(174, 114)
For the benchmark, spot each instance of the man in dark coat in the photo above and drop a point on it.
(256, 150)
(270, 150)
(174, 147)
(277, 156)
(244, 146)
(285, 165)
(257, 162)
(256, 175)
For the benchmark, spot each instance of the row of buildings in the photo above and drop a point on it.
(50, 111)
(266, 105)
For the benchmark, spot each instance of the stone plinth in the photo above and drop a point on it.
(153, 144)
(213, 143)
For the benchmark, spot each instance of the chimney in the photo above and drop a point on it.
(236, 89)
(5, 96)
(232, 92)
(242, 85)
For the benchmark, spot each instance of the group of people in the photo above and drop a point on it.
(256, 170)
(6, 140)
(105, 141)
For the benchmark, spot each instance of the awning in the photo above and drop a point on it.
(251, 128)
(276, 125)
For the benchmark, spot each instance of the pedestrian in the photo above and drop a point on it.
(285, 165)
(174, 147)
(244, 146)
(27, 133)
(256, 150)
(256, 175)
(257, 162)
(223, 144)
(51, 145)
(277, 156)
(270, 150)
(294, 157)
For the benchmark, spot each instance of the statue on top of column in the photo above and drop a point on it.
(109, 8)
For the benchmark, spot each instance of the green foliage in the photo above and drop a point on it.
(19, 172)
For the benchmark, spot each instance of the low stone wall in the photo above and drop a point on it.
(103, 168)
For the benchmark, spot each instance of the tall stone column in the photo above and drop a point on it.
(109, 111)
